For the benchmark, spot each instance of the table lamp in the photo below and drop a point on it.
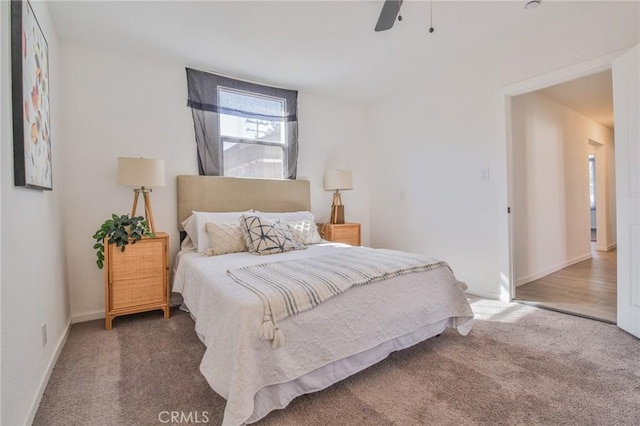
(141, 173)
(337, 180)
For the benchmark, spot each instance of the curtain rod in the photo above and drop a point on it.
(246, 80)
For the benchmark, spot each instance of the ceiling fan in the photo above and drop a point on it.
(390, 10)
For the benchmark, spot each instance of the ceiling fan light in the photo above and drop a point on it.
(532, 4)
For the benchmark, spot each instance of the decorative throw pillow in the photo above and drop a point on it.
(201, 240)
(305, 232)
(265, 237)
(225, 237)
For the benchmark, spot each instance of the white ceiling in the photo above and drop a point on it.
(591, 96)
(330, 47)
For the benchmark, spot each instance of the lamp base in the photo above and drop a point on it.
(337, 214)
(148, 213)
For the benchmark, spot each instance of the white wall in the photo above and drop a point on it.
(34, 288)
(551, 216)
(333, 135)
(119, 104)
(430, 147)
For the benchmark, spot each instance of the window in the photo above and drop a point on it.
(252, 146)
(243, 129)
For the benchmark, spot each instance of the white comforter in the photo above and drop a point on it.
(237, 364)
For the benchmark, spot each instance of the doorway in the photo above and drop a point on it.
(592, 200)
(564, 197)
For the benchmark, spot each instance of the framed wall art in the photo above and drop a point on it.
(31, 104)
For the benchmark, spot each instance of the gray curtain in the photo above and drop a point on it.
(205, 107)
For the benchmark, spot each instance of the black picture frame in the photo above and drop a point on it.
(32, 165)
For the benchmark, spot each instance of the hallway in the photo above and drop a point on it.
(587, 288)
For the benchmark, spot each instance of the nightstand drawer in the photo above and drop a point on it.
(139, 260)
(347, 236)
(130, 293)
(347, 233)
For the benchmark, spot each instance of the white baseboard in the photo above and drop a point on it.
(544, 273)
(483, 294)
(607, 248)
(47, 374)
(87, 316)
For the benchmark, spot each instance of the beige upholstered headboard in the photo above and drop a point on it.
(227, 194)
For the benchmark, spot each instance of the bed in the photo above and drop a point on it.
(345, 334)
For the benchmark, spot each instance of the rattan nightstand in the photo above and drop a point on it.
(136, 280)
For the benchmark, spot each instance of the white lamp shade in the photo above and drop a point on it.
(140, 172)
(338, 180)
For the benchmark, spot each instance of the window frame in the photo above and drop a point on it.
(232, 139)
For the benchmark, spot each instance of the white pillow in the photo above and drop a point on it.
(305, 232)
(225, 237)
(186, 244)
(200, 238)
(288, 217)
(190, 242)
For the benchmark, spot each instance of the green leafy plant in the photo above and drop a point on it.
(120, 230)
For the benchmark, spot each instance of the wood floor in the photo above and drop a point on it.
(587, 288)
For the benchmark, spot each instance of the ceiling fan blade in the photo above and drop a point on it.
(388, 15)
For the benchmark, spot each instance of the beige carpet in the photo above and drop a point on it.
(519, 365)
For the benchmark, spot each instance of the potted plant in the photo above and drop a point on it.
(120, 230)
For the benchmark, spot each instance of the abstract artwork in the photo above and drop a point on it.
(30, 90)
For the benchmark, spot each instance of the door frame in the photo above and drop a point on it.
(505, 152)
(603, 197)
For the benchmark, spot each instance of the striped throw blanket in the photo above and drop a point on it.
(289, 287)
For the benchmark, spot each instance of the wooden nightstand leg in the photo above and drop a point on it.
(167, 312)
(108, 322)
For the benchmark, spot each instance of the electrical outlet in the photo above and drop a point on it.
(43, 330)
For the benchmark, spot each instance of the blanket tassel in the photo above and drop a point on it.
(278, 338)
(267, 332)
